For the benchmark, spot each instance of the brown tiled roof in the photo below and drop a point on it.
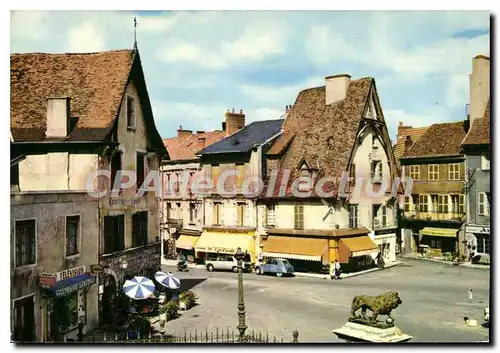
(479, 132)
(415, 134)
(439, 140)
(186, 148)
(95, 82)
(323, 134)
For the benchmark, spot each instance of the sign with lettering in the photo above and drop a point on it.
(72, 272)
(75, 287)
(47, 280)
(478, 229)
(215, 249)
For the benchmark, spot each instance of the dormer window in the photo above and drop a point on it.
(131, 112)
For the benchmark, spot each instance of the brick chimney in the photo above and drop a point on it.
(58, 117)
(336, 87)
(479, 86)
(234, 121)
(402, 128)
(201, 143)
(183, 134)
(408, 143)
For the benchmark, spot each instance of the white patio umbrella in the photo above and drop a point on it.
(167, 280)
(139, 287)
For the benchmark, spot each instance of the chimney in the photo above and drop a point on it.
(58, 117)
(183, 134)
(201, 143)
(479, 86)
(234, 122)
(200, 132)
(408, 144)
(223, 126)
(402, 128)
(336, 87)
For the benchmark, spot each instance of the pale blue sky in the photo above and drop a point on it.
(198, 64)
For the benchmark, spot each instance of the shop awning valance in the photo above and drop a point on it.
(186, 242)
(439, 232)
(355, 247)
(224, 243)
(71, 285)
(295, 248)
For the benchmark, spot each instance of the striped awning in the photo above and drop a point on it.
(355, 247)
(309, 249)
(439, 232)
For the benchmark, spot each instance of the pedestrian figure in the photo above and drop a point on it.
(337, 269)
(470, 322)
(470, 295)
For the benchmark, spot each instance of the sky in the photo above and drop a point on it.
(199, 64)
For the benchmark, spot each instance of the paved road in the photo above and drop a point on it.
(435, 300)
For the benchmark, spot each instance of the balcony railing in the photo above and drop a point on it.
(434, 216)
(377, 224)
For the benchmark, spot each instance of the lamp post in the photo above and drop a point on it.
(240, 256)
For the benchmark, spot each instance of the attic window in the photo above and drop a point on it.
(131, 112)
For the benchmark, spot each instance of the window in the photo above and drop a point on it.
(271, 215)
(434, 201)
(442, 203)
(483, 205)
(217, 213)
(177, 181)
(299, 216)
(192, 212)
(14, 175)
(72, 234)
(66, 308)
(485, 161)
(407, 203)
(483, 244)
(25, 242)
(131, 118)
(414, 172)
(454, 171)
(116, 166)
(215, 175)
(353, 216)
(140, 228)
(423, 203)
(24, 320)
(114, 235)
(435, 243)
(240, 213)
(461, 204)
(240, 169)
(384, 216)
(352, 174)
(377, 171)
(140, 169)
(433, 172)
(169, 210)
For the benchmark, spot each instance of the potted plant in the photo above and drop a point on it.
(171, 309)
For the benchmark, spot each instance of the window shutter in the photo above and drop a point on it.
(481, 208)
(109, 234)
(461, 204)
(120, 232)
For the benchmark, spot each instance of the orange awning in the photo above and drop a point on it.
(356, 246)
(295, 248)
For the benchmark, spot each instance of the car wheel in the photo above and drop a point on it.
(258, 271)
(235, 269)
(210, 267)
(279, 274)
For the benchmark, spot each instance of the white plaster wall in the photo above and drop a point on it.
(80, 168)
(44, 172)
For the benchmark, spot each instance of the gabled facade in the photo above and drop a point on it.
(73, 115)
(331, 133)
(477, 149)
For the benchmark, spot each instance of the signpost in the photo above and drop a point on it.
(96, 269)
(47, 280)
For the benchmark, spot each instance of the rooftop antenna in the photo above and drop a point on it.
(135, 34)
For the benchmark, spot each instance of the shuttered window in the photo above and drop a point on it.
(140, 228)
(353, 216)
(299, 216)
(25, 242)
(114, 235)
(442, 203)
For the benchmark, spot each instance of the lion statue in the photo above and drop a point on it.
(379, 305)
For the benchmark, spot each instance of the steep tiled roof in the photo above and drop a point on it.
(479, 133)
(415, 134)
(253, 134)
(322, 134)
(186, 148)
(95, 82)
(439, 140)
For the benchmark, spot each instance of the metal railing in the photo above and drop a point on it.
(434, 216)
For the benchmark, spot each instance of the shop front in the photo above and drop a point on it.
(186, 244)
(305, 254)
(478, 238)
(357, 253)
(65, 302)
(225, 241)
(439, 240)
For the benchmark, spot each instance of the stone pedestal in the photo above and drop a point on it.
(354, 332)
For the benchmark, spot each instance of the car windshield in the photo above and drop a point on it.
(285, 262)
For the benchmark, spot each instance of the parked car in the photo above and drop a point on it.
(487, 316)
(226, 262)
(278, 267)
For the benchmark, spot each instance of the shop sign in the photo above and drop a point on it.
(477, 229)
(231, 231)
(47, 280)
(215, 249)
(72, 272)
(75, 287)
(96, 269)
